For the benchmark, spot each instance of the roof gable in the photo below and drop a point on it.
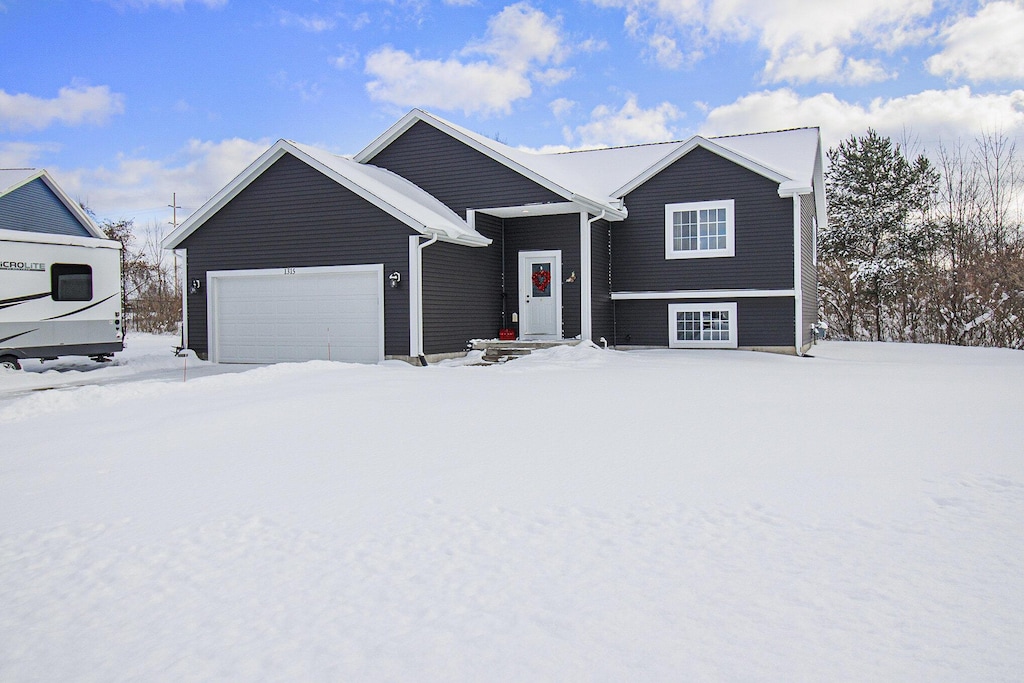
(388, 191)
(31, 201)
(529, 165)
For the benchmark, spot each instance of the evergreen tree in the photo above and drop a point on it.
(879, 236)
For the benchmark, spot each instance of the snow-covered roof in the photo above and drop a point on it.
(602, 177)
(382, 188)
(13, 178)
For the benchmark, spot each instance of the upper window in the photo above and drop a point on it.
(70, 282)
(699, 229)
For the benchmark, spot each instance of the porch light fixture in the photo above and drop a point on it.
(395, 278)
(195, 287)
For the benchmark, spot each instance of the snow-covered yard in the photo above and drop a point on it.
(576, 515)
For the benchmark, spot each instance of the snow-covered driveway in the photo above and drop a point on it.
(576, 515)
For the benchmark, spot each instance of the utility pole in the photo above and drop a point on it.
(174, 226)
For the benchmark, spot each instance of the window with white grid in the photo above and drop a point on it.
(699, 229)
(702, 325)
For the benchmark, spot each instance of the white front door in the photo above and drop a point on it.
(540, 294)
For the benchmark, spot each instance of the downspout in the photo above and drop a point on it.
(418, 351)
(798, 289)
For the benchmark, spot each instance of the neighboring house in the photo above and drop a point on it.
(434, 235)
(30, 201)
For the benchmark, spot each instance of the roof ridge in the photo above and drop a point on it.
(763, 132)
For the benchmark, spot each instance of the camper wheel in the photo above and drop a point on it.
(10, 363)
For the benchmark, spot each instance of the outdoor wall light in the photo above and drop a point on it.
(395, 278)
(195, 287)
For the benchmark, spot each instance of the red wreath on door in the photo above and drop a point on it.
(541, 279)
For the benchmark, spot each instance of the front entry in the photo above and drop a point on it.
(540, 294)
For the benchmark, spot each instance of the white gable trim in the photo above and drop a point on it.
(410, 119)
(686, 148)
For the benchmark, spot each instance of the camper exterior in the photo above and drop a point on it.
(60, 295)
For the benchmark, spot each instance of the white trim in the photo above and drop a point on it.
(586, 302)
(686, 148)
(730, 230)
(415, 295)
(798, 267)
(212, 276)
(673, 339)
(184, 297)
(555, 255)
(703, 294)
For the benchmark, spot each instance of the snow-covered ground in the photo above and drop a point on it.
(576, 515)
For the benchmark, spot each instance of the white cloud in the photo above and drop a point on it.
(141, 188)
(519, 36)
(985, 47)
(475, 87)
(73, 106)
(826, 65)
(561, 106)
(931, 116)
(665, 51)
(312, 23)
(631, 124)
(24, 154)
(522, 45)
(347, 57)
(804, 40)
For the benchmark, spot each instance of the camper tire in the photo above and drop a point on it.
(10, 363)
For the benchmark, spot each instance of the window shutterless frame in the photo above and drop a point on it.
(700, 229)
(702, 326)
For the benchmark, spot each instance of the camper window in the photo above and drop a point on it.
(71, 282)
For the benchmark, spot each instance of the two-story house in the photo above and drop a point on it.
(434, 235)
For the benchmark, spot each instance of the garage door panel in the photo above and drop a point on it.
(271, 317)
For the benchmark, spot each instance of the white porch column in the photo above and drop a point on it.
(586, 305)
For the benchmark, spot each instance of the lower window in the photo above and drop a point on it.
(702, 326)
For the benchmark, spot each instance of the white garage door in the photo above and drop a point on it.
(297, 314)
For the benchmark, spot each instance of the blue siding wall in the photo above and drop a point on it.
(602, 307)
(763, 220)
(764, 321)
(462, 291)
(457, 174)
(33, 207)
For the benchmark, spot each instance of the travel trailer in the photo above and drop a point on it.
(60, 295)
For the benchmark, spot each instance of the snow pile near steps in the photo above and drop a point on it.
(575, 514)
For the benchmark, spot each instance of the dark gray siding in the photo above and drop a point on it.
(33, 207)
(537, 233)
(457, 174)
(808, 271)
(462, 291)
(602, 308)
(293, 216)
(766, 321)
(763, 223)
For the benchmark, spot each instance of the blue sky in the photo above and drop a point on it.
(127, 101)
